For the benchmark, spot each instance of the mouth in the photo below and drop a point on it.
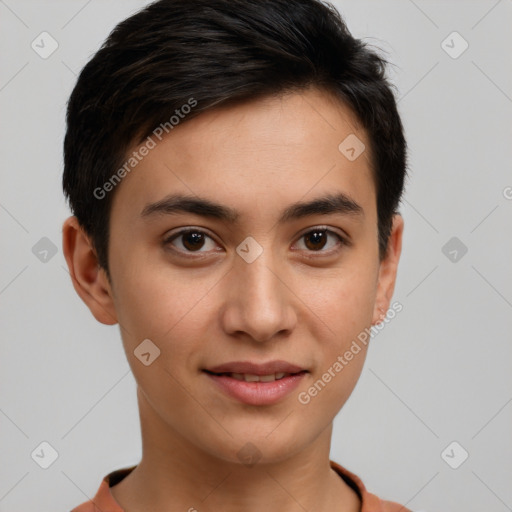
(266, 369)
(256, 385)
(250, 377)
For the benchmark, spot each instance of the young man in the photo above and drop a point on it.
(234, 168)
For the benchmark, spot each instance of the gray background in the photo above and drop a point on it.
(439, 372)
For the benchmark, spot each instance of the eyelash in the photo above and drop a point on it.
(341, 240)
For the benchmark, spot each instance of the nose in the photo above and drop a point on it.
(260, 303)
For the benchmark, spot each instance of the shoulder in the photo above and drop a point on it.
(87, 506)
(391, 506)
(103, 500)
(372, 503)
(369, 502)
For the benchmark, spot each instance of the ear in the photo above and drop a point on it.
(89, 279)
(388, 270)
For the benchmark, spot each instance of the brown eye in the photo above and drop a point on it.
(317, 239)
(192, 240)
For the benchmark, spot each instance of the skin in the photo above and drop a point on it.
(292, 304)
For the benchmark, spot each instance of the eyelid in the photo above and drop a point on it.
(185, 230)
(343, 240)
(336, 231)
(169, 238)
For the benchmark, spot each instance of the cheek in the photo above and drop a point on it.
(329, 390)
(168, 310)
(341, 352)
(345, 305)
(345, 301)
(152, 299)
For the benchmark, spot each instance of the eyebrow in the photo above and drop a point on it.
(339, 203)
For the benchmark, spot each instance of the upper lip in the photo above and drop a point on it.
(248, 367)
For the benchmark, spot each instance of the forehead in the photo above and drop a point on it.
(257, 157)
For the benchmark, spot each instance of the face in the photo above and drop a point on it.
(255, 277)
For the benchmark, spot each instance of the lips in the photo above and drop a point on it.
(256, 384)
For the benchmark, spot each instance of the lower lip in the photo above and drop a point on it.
(257, 393)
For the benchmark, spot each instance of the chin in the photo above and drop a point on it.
(248, 450)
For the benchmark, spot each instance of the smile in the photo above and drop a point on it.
(256, 389)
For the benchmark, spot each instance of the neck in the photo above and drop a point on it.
(173, 473)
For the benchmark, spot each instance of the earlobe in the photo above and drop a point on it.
(89, 279)
(388, 270)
